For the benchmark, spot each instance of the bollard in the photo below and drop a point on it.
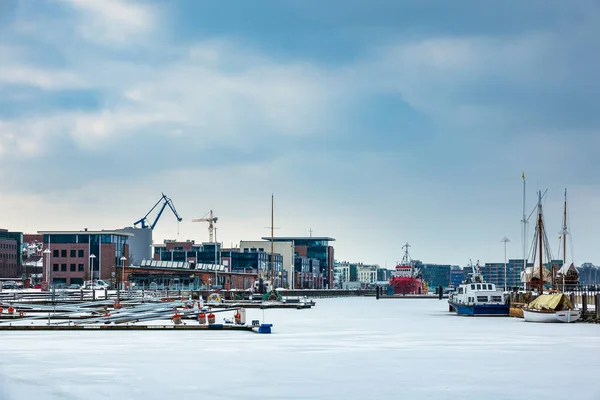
(440, 292)
(377, 292)
(597, 298)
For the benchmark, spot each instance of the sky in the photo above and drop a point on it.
(375, 123)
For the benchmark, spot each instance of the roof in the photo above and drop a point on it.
(85, 233)
(295, 238)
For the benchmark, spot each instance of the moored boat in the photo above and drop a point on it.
(551, 308)
(475, 297)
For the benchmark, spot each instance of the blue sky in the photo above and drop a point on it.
(375, 123)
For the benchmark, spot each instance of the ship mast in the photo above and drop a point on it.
(564, 238)
(524, 221)
(540, 227)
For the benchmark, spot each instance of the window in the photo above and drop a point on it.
(80, 254)
(482, 299)
(55, 253)
(55, 267)
(72, 268)
(478, 286)
(73, 253)
(497, 299)
(63, 267)
(80, 267)
(63, 253)
(460, 290)
(490, 287)
(472, 287)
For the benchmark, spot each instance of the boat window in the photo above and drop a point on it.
(478, 286)
(472, 287)
(482, 299)
(490, 287)
(460, 290)
(497, 299)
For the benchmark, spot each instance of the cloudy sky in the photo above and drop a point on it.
(373, 122)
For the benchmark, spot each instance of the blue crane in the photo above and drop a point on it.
(166, 202)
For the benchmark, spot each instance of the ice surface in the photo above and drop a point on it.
(349, 348)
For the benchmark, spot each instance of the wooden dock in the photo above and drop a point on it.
(196, 327)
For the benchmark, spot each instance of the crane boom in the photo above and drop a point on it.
(166, 202)
(211, 220)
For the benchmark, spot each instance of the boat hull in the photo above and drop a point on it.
(481, 310)
(551, 317)
(406, 285)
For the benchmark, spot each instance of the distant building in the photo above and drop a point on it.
(283, 248)
(10, 254)
(589, 274)
(140, 243)
(436, 275)
(494, 273)
(317, 248)
(383, 274)
(76, 256)
(457, 276)
(342, 271)
(367, 273)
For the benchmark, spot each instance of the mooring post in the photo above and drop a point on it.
(81, 294)
(597, 298)
(572, 298)
(93, 294)
(377, 292)
(584, 300)
(440, 292)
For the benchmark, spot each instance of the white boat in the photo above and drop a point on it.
(551, 308)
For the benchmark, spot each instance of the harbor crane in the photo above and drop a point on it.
(211, 221)
(166, 202)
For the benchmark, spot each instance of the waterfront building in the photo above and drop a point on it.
(10, 254)
(283, 248)
(589, 274)
(342, 271)
(317, 248)
(457, 276)
(494, 273)
(174, 275)
(435, 275)
(383, 274)
(77, 256)
(367, 274)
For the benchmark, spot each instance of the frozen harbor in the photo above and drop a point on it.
(351, 348)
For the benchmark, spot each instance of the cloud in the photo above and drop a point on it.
(115, 22)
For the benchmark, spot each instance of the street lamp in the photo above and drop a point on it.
(505, 240)
(92, 256)
(123, 259)
(47, 252)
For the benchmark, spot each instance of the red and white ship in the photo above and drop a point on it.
(406, 279)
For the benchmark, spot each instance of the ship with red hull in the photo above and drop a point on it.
(406, 278)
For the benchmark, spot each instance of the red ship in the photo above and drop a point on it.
(406, 279)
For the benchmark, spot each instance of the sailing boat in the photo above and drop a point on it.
(567, 274)
(546, 307)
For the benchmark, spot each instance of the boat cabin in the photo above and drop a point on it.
(476, 291)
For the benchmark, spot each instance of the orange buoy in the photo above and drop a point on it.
(1, 309)
(202, 318)
(237, 318)
(176, 319)
(11, 310)
(21, 314)
(211, 318)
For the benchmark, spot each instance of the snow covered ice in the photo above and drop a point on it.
(347, 348)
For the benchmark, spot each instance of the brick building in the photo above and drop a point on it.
(10, 254)
(75, 256)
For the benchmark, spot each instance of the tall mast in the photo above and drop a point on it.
(564, 232)
(272, 256)
(524, 221)
(540, 228)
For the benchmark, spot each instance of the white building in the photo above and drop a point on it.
(341, 272)
(286, 249)
(366, 273)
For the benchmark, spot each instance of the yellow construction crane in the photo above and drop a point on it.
(211, 221)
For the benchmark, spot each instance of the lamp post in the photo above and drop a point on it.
(505, 240)
(92, 256)
(47, 253)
